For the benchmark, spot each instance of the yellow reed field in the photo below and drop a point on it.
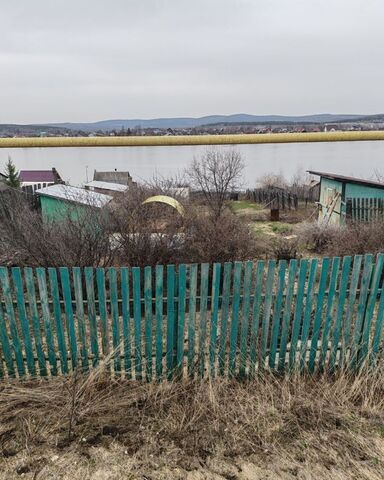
(189, 139)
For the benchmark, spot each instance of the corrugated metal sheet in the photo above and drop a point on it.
(76, 195)
(107, 186)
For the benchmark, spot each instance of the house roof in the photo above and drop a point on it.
(118, 187)
(45, 176)
(344, 179)
(112, 177)
(75, 195)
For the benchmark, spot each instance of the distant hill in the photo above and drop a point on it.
(33, 130)
(181, 122)
(190, 122)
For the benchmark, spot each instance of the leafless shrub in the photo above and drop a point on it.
(317, 237)
(357, 238)
(350, 239)
(146, 234)
(208, 239)
(215, 175)
(284, 249)
(75, 240)
(158, 234)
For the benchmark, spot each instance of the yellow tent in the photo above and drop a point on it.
(168, 201)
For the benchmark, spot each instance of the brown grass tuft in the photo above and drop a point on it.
(323, 427)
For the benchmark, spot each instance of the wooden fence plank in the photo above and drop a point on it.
(337, 330)
(115, 319)
(170, 318)
(43, 292)
(224, 316)
(235, 318)
(256, 314)
(248, 268)
(267, 311)
(192, 318)
(124, 276)
(371, 303)
(78, 289)
(329, 312)
(136, 285)
(102, 304)
(34, 314)
(159, 320)
(6, 347)
(22, 314)
(277, 313)
(364, 291)
(91, 312)
(181, 318)
(216, 277)
(292, 271)
(148, 314)
(318, 313)
(296, 325)
(16, 343)
(355, 276)
(204, 272)
(307, 319)
(378, 330)
(55, 295)
(68, 309)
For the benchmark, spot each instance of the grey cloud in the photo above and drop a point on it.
(90, 60)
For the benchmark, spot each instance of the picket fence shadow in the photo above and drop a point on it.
(197, 320)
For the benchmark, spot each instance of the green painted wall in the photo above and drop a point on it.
(328, 189)
(56, 210)
(353, 190)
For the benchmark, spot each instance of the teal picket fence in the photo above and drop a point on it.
(202, 320)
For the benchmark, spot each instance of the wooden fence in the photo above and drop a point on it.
(273, 198)
(198, 320)
(364, 209)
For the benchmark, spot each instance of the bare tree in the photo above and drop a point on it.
(272, 180)
(215, 175)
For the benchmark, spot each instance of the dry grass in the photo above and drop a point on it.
(189, 139)
(270, 427)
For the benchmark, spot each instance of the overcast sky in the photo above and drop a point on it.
(88, 60)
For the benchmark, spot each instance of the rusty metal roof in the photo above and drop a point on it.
(345, 179)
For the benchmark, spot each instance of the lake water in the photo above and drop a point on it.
(359, 159)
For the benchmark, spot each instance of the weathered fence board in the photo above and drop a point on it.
(364, 209)
(196, 320)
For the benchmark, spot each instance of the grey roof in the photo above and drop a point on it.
(118, 187)
(123, 178)
(76, 195)
(344, 179)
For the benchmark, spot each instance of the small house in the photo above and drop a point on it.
(106, 187)
(123, 178)
(59, 202)
(344, 199)
(32, 180)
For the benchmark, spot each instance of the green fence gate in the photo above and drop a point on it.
(197, 320)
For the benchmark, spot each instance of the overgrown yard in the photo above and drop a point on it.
(268, 428)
